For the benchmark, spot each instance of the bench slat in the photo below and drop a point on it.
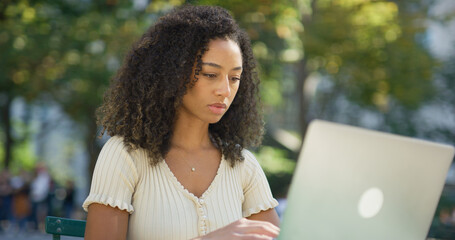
(65, 226)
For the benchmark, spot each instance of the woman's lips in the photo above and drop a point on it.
(217, 108)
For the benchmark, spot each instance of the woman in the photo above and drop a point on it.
(180, 111)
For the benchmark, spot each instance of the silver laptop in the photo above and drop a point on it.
(352, 183)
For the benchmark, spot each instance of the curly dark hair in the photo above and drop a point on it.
(144, 96)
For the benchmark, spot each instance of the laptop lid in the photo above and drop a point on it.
(353, 183)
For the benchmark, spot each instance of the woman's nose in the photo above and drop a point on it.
(224, 88)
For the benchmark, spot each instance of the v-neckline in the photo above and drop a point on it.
(180, 186)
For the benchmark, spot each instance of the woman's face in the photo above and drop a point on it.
(217, 83)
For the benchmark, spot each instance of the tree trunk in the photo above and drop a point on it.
(6, 120)
(303, 100)
(302, 75)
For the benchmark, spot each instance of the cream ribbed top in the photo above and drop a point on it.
(161, 208)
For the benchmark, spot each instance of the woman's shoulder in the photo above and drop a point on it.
(248, 155)
(115, 141)
(249, 163)
(117, 146)
(114, 144)
(118, 142)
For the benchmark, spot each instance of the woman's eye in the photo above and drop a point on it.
(209, 75)
(235, 78)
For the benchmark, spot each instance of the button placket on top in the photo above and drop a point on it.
(199, 202)
(202, 222)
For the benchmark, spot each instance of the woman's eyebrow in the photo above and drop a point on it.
(218, 66)
(211, 64)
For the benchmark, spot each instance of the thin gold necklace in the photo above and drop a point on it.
(193, 169)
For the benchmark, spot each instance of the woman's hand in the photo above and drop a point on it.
(244, 229)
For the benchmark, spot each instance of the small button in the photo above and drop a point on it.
(204, 217)
(201, 201)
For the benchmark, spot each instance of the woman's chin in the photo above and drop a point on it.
(214, 120)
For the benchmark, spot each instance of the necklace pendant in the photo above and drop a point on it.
(193, 169)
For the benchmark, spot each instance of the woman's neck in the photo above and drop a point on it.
(191, 135)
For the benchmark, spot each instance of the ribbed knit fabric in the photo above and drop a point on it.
(161, 208)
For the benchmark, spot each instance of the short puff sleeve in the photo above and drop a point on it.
(114, 178)
(256, 190)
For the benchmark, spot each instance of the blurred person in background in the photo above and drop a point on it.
(21, 208)
(181, 111)
(447, 216)
(68, 201)
(6, 196)
(39, 195)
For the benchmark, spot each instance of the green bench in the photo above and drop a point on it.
(58, 226)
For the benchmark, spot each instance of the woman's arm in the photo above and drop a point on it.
(268, 216)
(105, 222)
(244, 229)
(262, 225)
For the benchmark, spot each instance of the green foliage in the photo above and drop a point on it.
(274, 161)
(369, 50)
(22, 35)
(277, 167)
(65, 52)
(25, 157)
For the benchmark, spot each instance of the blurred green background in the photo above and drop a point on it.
(385, 65)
